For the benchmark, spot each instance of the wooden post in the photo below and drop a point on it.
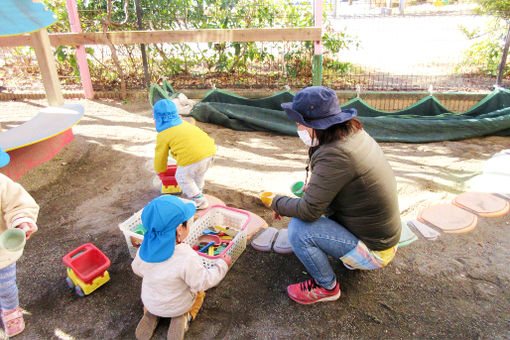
(81, 55)
(42, 47)
(317, 46)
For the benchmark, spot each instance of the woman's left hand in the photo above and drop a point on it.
(29, 228)
(277, 216)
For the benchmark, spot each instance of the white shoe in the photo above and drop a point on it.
(201, 202)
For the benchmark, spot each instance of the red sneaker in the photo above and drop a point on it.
(308, 292)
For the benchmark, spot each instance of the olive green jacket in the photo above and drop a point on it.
(353, 184)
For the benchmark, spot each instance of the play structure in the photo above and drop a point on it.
(39, 139)
(426, 121)
(43, 136)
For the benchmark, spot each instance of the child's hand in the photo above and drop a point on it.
(29, 228)
(227, 259)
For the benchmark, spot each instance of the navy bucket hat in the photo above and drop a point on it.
(4, 158)
(166, 115)
(317, 107)
(160, 218)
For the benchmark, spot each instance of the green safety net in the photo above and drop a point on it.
(426, 121)
(166, 91)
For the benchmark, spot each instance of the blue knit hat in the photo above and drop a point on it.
(166, 115)
(317, 107)
(4, 158)
(160, 218)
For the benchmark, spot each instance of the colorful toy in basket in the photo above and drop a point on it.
(169, 183)
(223, 225)
(86, 269)
(212, 242)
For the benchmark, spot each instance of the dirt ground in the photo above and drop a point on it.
(456, 287)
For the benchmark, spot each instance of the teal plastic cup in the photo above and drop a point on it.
(13, 239)
(297, 188)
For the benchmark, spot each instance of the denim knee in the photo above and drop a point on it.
(295, 233)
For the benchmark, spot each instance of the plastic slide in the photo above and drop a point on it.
(39, 139)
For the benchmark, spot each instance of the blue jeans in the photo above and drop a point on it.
(312, 242)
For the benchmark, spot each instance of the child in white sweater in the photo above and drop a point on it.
(18, 210)
(174, 278)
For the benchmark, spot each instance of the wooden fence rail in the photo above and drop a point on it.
(151, 37)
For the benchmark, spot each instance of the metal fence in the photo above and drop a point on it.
(408, 48)
(416, 47)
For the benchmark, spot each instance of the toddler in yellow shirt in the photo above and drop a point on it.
(192, 149)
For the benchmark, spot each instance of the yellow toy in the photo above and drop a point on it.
(170, 189)
(86, 269)
(169, 183)
(80, 287)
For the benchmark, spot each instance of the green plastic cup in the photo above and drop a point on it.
(13, 239)
(297, 189)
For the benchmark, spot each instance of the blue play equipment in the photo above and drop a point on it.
(24, 16)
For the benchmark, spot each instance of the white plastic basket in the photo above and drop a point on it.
(133, 240)
(219, 215)
(216, 215)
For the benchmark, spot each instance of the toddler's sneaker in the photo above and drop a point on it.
(201, 201)
(178, 326)
(308, 292)
(13, 321)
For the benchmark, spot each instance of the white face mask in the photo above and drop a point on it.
(305, 137)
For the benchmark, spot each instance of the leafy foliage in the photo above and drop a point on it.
(484, 56)
(294, 58)
(497, 8)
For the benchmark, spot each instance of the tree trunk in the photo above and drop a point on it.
(503, 58)
(142, 46)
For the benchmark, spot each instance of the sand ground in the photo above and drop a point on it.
(456, 287)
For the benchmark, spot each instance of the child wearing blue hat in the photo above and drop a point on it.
(174, 278)
(19, 210)
(191, 147)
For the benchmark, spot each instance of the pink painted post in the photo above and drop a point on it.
(317, 45)
(318, 23)
(81, 55)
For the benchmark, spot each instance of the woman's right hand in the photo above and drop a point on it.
(227, 259)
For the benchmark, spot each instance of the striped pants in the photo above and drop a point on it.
(8, 287)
